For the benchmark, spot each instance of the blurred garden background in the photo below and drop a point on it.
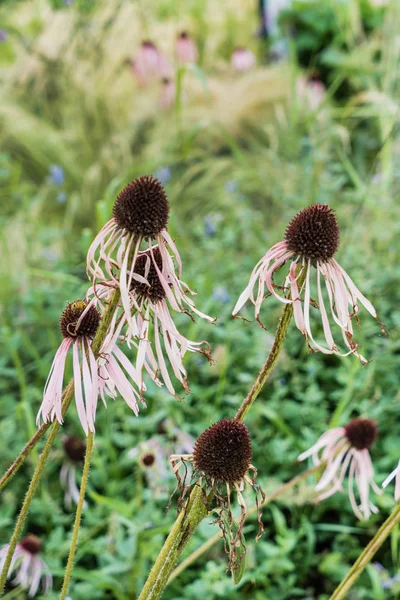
(240, 148)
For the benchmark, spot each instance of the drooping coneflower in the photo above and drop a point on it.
(146, 278)
(394, 474)
(311, 241)
(186, 50)
(242, 59)
(28, 567)
(149, 63)
(221, 462)
(92, 377)
(345, 450)
(74, 448)
(153, 460)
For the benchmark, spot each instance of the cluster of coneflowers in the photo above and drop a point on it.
(135, 259)
(150, 64)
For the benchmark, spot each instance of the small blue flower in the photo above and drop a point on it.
(163, 174)
(231, 186)
(3, 35)
(61, 197)
(210, 227)
(56, 175)
(221, 294)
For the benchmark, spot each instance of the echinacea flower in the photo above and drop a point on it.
(146, 279)
(394, 474)
(242, 60)
(153, 460)
(92, 377)
(28, 567)
(311, 91)
(148, 63)
(186, 50)
(74, 448)
(221, 464)
(311, 241)
(346, 450)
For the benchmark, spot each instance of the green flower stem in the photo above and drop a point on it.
(215, 538)
(27, 502)
(367, 555)
(184, 526)
(78, 515)
(68, 393)
(96, 345)
(265, 372)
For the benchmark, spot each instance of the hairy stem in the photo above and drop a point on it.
(27, 502)
(214, 539)
(67, 394)
(184, 526)
(78, 515)
(367, 555)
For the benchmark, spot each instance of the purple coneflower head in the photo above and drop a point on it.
(186, 50)
(221, 464)
(92, 377)
(148, 63)
(138, 256)
(74, 448)
(152, 457)
(28, 567)
(311, 91)
(345, 450)
(311, 241)
(394, 475)
(242, 60)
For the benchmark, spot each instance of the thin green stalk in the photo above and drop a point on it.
(67, 394)
(78, 515)
(265, 372)
(367, 555)
(214, 539)
(27, 502)
(184, 526)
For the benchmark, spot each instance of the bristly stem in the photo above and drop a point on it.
(366, 555)
(27, 502)
(68, 393)
(78, 515)
(186, 523)
(269, 364)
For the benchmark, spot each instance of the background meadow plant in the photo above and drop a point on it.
(239, 156)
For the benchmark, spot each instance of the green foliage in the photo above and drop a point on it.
(234, 182)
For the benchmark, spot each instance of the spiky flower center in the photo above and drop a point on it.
(223, 451)
(142, 207)
(70, 317)
(148, 459)
(361, 433)
(31, 544)
(144, 266)
(313, 233)
(75, 448)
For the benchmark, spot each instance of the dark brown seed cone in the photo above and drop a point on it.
(361, 433)
(183, 35)
(148, 459)
(154, 291)
(142, 207)
(75, 448)
(70, 316)
(313, 233)
(31, 543)
(223, 451)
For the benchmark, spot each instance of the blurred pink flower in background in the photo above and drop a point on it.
(149, 63)
(311, 91)
(186, 49)
(167, 93)
(28, 567)
(242, 59)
